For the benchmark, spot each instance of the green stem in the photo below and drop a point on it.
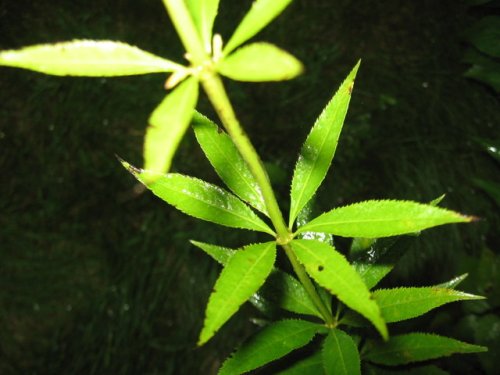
(214, 88)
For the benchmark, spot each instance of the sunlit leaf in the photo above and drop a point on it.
(319, 148)
(340, 354)
(406, 303)
(227, 162)
(259, 62)
(333, 272)
(167, 125)
(310, 365)
(91, 58)
(242, 276)
(258, 17)
(201, 199)
(280, 289)
(204, 13)
(273, 342)
(385, 218)
(415, 347)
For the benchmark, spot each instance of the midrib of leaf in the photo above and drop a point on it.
(425, 299)
(242, 177)
(270, 344)
(238, 287)
(246, 218)
(340, 353)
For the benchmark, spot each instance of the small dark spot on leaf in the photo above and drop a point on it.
(320, 268)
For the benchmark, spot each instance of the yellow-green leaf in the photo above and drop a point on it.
(333, 272)
(259, 62)
(167, 125)
(92, 58)
(242, 276)
(204, 13)
(384, 218)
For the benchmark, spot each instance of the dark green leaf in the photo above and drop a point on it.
(258, 17)
(273, 342)
(375, 219)
(167, 125)
(332, 271)
(485, 35)
(227, 162)
(416, 347)
(319, 148)
(340, 354)
(200, 199)
(260, 62)
(91, 58)
(243, 275)
(310, 365)
(421, 370)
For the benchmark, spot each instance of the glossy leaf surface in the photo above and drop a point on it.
(168, 124)
(260, 62)
(385, 218)
(317, 153)
(200, 199)
(451, 284)
(227, 162)
(310, 365)
(406, 303)
(273, 342)
(416, 347)
(258, 17)
(332, 271)
(242, 276)
(91, 58)
(280, 289)
(340, 354)
(203, 13)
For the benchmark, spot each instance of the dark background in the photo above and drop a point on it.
(97, 280)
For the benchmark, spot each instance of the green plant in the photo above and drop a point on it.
(250, 273)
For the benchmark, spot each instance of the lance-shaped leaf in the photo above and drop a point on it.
(340, 354)
(258, 17)
(319, 148)
(91, 58)
(167, 125)
(385, 218)
(333, 272)
(243, 275)
(416, 347)
(451, 284)
(200, 199)
(203, 13)
(406, 303)
(260, 62)
(227, 162)
(280, 289)
(310, 365)
(273, 342)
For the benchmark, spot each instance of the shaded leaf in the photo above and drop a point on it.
(167, 125)
(200, 199)
(280, 289)
(416, 347)
(273, 342)
(260, 62)
(333, 272)
(385, 218)
(421, 370)
(258, 17)
(203, 13)
(219, 253)
(242, 276)
(310, 365)
(406, 303)
(317, 153)
(91, 58)
(340, 354)
(305, 215)
(227, 162)
(451, 284)
(485, 34)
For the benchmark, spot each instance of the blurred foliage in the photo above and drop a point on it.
(95, 278)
